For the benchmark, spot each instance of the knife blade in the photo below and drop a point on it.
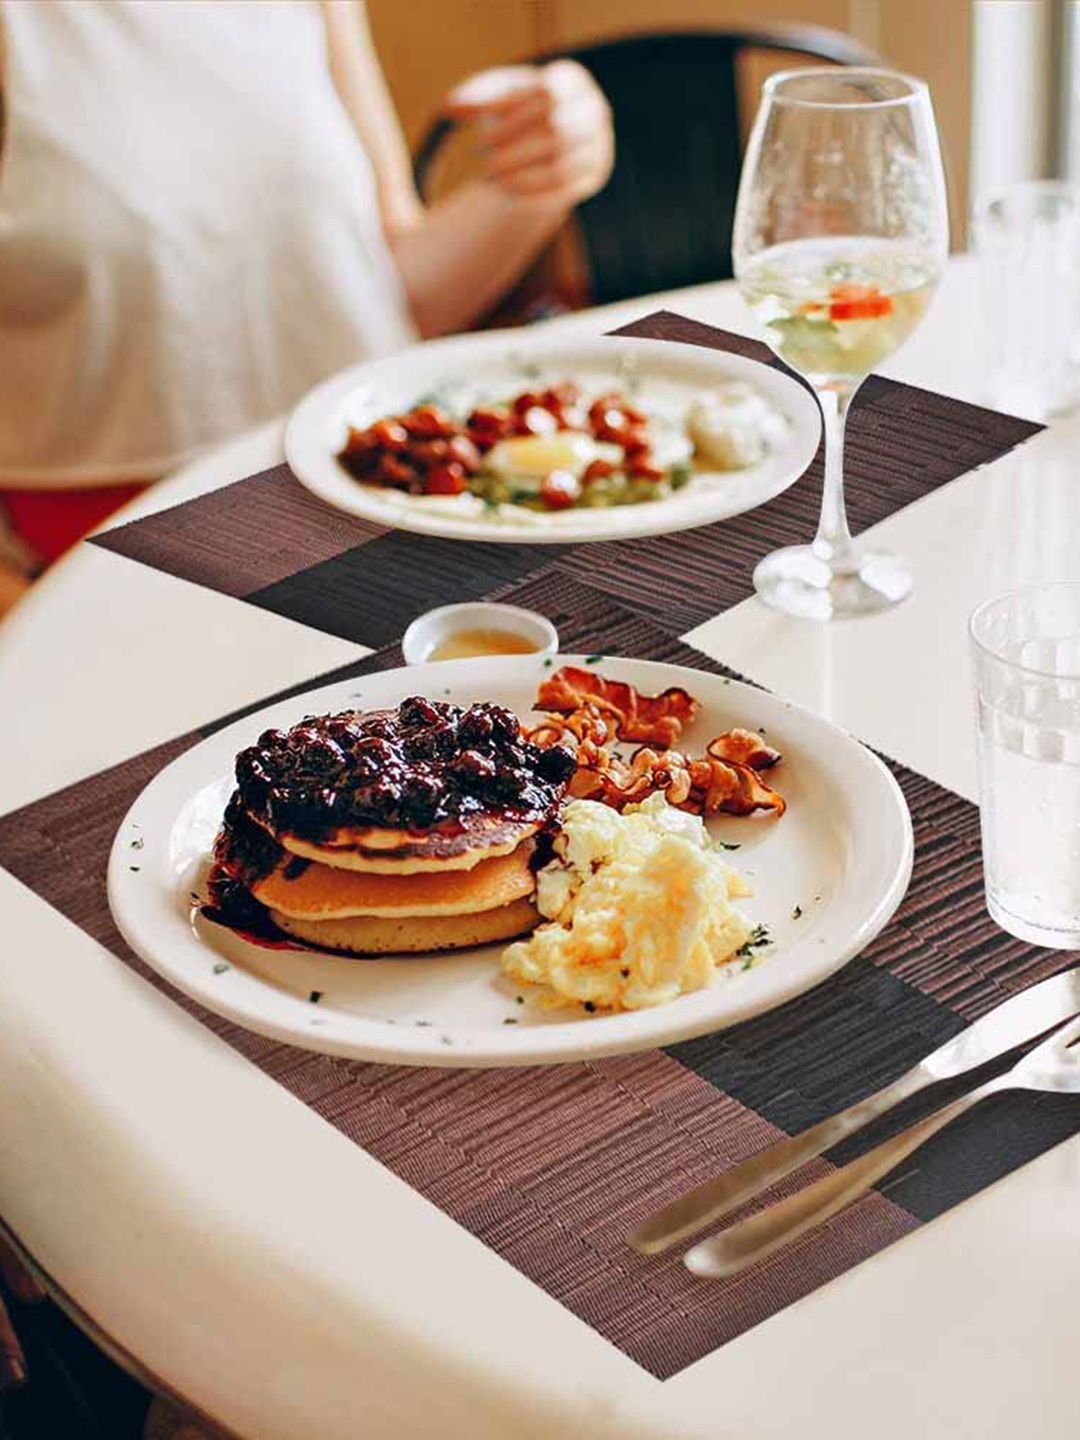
(1021, 1018)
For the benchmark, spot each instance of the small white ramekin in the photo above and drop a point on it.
(428, 631)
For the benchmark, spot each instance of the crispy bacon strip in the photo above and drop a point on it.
(574, 729)
(733, 788)
(591, 711)
(743, 747)
(647, 719)
(706, 786)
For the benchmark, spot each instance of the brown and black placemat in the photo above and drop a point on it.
(266, 540)
(552, 1167)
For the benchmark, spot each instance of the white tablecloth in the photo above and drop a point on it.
(268, 1268)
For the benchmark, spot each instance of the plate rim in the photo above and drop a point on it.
(550, 1044)
(306, 459)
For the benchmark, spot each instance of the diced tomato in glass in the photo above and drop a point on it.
(858, 302)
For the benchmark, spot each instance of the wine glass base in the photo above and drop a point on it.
(799, 582)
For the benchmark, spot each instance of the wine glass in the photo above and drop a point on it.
(841, 235)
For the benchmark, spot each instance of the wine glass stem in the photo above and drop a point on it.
(833, 542)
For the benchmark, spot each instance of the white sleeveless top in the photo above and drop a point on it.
(189, 233)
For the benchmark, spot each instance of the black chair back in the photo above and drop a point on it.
(664, 219)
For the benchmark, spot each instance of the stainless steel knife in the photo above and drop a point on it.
(1022, 1018)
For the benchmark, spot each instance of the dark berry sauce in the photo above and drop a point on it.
(243, 854)
(426, 763)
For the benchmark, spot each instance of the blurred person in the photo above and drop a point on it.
(207, 206)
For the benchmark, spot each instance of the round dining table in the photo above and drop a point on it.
(245, 1256)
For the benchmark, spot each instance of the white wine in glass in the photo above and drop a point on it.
(841, 235)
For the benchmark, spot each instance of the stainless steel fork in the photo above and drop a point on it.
(1017, 1021)
(1052, 1066)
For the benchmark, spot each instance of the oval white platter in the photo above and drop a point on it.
(660, 376)
(827, 876)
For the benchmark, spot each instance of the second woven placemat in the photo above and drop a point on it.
(266, 540)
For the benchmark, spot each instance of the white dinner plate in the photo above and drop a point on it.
(661, 377)
(826, 877)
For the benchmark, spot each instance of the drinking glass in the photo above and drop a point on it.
(841, 234)
(1028, 242)
(1026, 652)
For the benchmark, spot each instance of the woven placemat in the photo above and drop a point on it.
(266, 540)
(552, 1167)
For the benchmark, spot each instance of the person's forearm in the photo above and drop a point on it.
(457, 257)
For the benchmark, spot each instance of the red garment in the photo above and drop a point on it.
(51, 521)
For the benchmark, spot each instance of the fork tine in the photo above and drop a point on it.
(1059, 1039)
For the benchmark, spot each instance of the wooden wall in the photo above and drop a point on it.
(427, 45)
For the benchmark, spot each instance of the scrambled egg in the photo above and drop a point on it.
(639, 905)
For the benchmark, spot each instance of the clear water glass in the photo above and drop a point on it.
(1028, 242)
(1026, 655)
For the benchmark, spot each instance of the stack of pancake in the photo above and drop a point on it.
(378, 892)
(389, 832)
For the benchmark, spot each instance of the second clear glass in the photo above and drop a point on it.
(1028, 242)
(841, 234)
(1026, 660)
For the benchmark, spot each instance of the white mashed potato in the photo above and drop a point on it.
(639, 906)
(734, 426)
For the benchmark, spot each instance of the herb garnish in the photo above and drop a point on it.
(137, 844)
(220, 967)
(727, 845)
(588, 1006)
(796, 914)
(135, 868)
(315, 997)
(758, 936)
(510, 1020)
(594, 659)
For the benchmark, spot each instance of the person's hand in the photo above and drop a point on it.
(22, 1286)
(546, 129)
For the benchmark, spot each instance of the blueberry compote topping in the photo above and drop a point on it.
(243, 854)
(422, 764)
